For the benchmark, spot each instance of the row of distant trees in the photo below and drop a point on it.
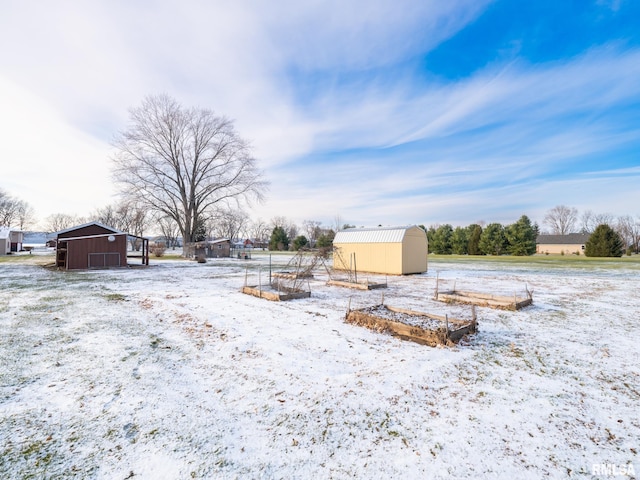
(281, 234)
(132, 217)
(518, 238)
(609, 236)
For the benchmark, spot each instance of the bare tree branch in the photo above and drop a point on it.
(561, 219)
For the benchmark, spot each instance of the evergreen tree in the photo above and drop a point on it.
(493, 240)
(431, 233)
(474, 233)
(323, 241)
(200, 231)
(604, 242)
(522, 237)
(460, 241)
(299, 242)
(279, 239)
(442, 240)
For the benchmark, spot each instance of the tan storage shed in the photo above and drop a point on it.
(392, 250)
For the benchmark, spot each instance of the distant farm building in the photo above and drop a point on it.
(10, 240)
(249, 243)
(242, 244)
(573, 243)
(94, 245)
(213, 248)
(393, 250)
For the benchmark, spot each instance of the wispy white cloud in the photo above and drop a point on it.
(47, 161)
(500, 97)
(358, 35)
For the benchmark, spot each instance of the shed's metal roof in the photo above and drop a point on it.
(371, 235)
(78, 227)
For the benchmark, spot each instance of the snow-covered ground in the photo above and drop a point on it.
(171, 372)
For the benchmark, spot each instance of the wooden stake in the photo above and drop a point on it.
(355, 268)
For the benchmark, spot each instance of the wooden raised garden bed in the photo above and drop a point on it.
(485, 299)
(292, 275)
(357, 285)
(278, 289)
(423, 328)
(275, 295)
(504, 302)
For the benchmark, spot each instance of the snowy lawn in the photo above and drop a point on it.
(171, 372)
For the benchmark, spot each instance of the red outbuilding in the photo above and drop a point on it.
(94, 245)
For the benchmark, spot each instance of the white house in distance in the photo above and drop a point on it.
(10, 240)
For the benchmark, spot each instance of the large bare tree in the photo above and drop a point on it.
(591, 220)
(313, 230)
(183, 161)
(168, 227)
(629, 230)
(561, 219)
(259, 232)
(25, 215)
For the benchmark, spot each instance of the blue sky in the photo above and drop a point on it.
(381, 113)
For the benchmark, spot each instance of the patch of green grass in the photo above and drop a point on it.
(29, 259)
(35, 450)
(115, 297)
(38, 307)
(50, 299)
(551, 261)
(167, 256)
